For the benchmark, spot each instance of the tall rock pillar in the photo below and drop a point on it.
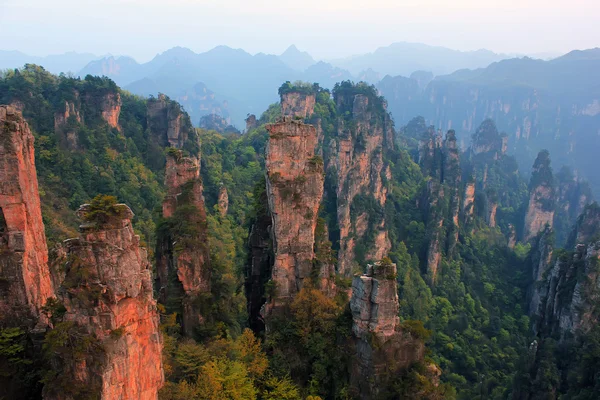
(25, 282)
(111, 317)
(294, 191)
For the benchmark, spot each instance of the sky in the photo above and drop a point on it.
(325, 28)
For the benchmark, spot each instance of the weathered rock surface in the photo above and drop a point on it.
(251, 122)
(260, 263)
(182, 252)
(25, 282)
(110, 107)
(358, 150)
(570, 286)
(108, 295)
(541, 257)
(63, 121)
(168, 123)
(294, 191)
(223, 201)
(440, 159)
(469, 202)
(540, 211)
(296, 104)
(381, 345)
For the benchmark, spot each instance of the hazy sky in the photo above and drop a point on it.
(325, 28)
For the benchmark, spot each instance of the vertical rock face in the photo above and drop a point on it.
(63, 121)
(381, 345)
(487, 140)
(490, 212)
(512, 236)
(451, 176)
(435, 216)
(572, 195)
(570, 287)
(364, 131)
(25, 282)
(469, 202)
(541, 257)
(294, 191)
(441, 160)
(182, 252)
(260, 263)
(586, 227)
(168, 123)
(251, 122)
(540, 211)
(297, 104)
(223, 201)
(107, 293)
(111, 109)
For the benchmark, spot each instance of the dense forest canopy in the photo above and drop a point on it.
(471, 312)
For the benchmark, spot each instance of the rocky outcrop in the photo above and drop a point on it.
(260, 262)
(64, 122)
(512, 236)
(108, 297)
(572, 195)
(540, 259)
(441, 161)
(491, 207)
(435, 223)
(469, 202)
(25, 282)
(168, 123)
(364, 131)
(182, 251)
(586, 227)
(451, 176)
(297, 104)
(540, 210)
(110, 107)
(570, 285)
(223, 201)
(382, 347)
(251, 122)
(218, 123)
(294, 191)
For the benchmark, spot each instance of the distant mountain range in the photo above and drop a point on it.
(404, 58)
(233, 83)
(540, 104)
(67, 62)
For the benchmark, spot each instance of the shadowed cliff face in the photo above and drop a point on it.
(168, 123)
(566, 290)
(182, 252)
(107, 293)
(364, 131)
(440, 159)
(294, 191)
(382, 348)
(540, 211)
(25, 282)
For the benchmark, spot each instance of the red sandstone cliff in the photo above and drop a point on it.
(294, 191)
(108, 296)
(296, 104)
(382, 348)
(168, 123)
(358, 162)
(182, 252)
(25, 282)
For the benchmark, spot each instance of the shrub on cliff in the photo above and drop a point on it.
(103, 210)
